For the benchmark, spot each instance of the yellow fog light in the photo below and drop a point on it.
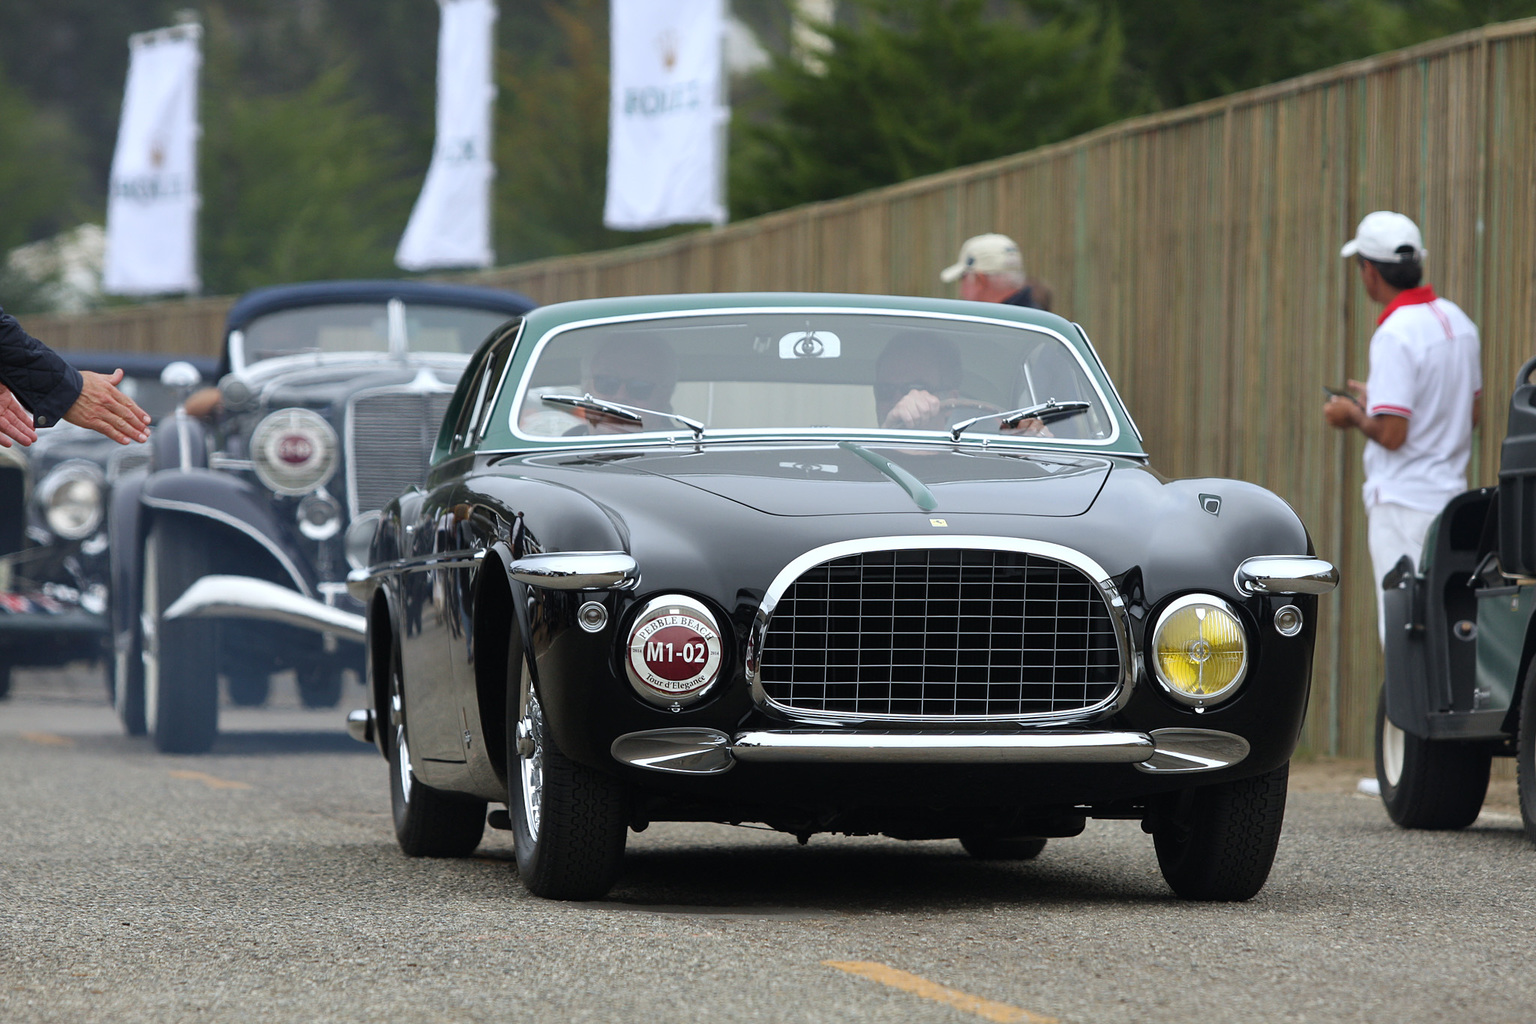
(1199, 650)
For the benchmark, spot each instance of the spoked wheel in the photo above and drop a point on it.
(1002, 847)
(1525, 754)
(569, 823)
(1218, 842)
(428, 822)
(181, 688)
(1436, 784)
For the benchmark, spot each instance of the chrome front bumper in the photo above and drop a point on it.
(709, 751)
(243, 597)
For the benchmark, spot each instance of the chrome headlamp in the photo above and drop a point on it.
(294, 451)
(71, 499)
(1199, 650)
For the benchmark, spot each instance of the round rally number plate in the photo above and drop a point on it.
(674, 652)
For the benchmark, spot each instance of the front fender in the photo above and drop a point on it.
(1406, 657)
(233, 505)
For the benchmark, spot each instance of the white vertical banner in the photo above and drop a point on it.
(666, 114)
(152, 200)
(451, 223)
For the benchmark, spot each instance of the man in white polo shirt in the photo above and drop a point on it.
(1420, 402)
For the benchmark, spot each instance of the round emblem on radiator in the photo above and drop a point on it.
(674, 651)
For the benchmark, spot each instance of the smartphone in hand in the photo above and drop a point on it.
(1329, 389)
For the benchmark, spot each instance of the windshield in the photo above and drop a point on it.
(810, 371)
(365, 327)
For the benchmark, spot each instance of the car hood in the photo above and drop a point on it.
(853, 479)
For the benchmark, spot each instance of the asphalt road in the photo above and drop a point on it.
(262, 882)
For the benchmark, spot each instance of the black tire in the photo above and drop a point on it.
(1430, 784)
(181, 685)
(126, 681)
(319, 686)
(569, 823)
(248, 687)
(1218, 842)
(5, 679)
(1002, 848)
(428, 822)
(1525, 754)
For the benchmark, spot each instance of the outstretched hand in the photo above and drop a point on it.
(103, 408)
(15, 421)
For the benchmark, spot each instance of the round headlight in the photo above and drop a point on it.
(674, 651)
(71, 499)
(1199, 649)
(294, 451)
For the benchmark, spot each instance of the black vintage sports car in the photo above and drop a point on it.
(53, 504)
(830, 563)
(1460, 686)
(228, 555)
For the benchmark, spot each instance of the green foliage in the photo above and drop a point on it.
(300, 186)
(552, 142)
(920, 86)
(39, 171)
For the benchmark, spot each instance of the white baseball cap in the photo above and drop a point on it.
(1382, 234)
(985, 254)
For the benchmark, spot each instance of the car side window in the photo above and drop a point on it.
(478, 387)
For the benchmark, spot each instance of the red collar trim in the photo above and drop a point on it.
(1408, 297)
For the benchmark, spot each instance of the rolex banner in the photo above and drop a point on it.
(451, 224)
(152, 201)
(666, 115)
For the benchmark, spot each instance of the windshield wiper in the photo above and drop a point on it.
(628, 413)
(1045, 411)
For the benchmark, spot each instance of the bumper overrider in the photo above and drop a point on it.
(705, 751)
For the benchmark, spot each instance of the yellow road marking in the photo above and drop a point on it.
(1001, 1012)
(47, 739)
(212, 782)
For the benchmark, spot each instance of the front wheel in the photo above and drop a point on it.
(569, 823)
(1218, 842)
(319, 685)
(1433, 784)
(428, 822)
(181, 686)
(1525, 754)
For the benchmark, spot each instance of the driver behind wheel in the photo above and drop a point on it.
(914, 375)
(917, 387)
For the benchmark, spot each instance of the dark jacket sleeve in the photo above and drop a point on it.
(44, 382)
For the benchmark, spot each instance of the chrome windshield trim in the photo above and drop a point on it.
(577, 570)
(1118, 616)
(784, 745)
(1285, 574)
(1112, 404)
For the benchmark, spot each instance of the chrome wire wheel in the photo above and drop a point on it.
(530, 761)
(403, 760)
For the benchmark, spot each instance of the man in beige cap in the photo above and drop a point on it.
(990, 269)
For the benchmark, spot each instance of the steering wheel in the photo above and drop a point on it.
(981, 408)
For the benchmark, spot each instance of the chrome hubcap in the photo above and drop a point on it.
(530, 759)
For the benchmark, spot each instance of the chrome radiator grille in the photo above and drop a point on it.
(935, 633)
(389, 442)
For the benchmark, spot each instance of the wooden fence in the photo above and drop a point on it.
(1199, 248)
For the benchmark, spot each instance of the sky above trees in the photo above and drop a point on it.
(318, 115)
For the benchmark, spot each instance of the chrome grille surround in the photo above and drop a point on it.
(389, 436)
(983, 682)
